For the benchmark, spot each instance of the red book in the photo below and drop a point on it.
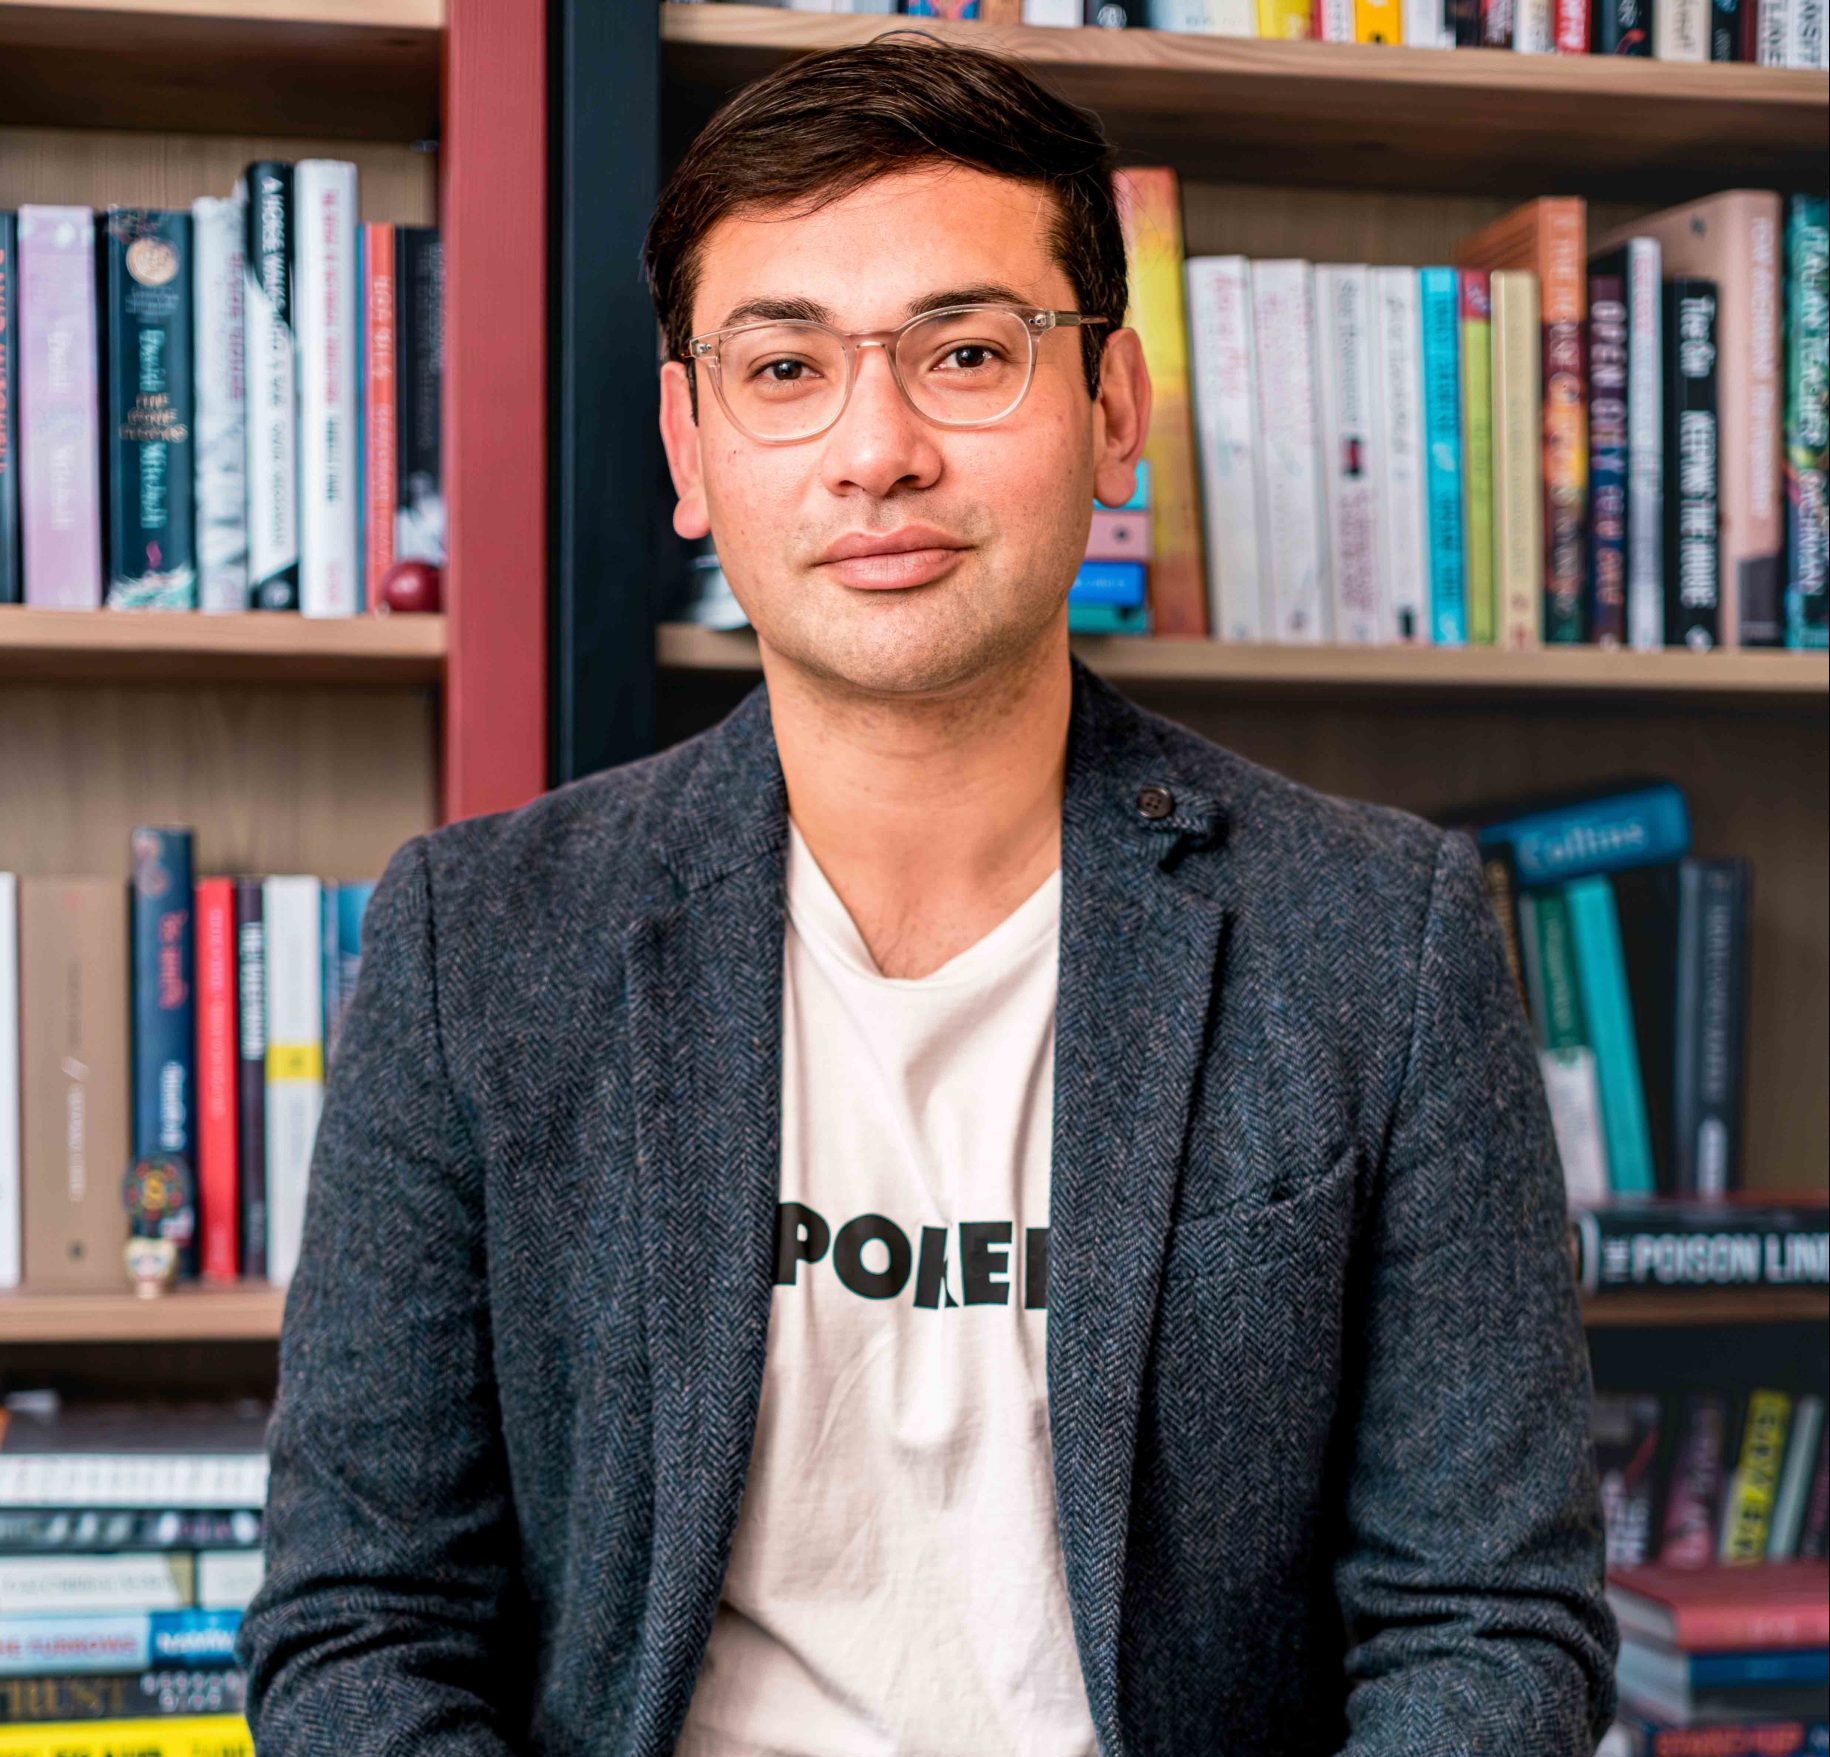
(1724, 1609)
(380, 462)
(218, 1198)
(1572, 22)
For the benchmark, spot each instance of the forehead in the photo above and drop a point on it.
(871, 255)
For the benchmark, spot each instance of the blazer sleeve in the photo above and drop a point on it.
(389, 1527)
(1471, 1576)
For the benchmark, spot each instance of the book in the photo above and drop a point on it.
(1345, 416)
(1497, 20)
(1680, 30)
(1609, 826)
(1687, 1246)
(1608, 367)
(147, 378)
(1092, 617)
(1699, 1474)
(1566, 1052)
(1693, 605)
(1766, 1737)
(60, 485)
(1747, 1508)
(1534, 29)
(352, 907)
(1791, 1498)
(1695, 1689)
(12, 1189)
(1608, 1008)
(1804, 44)
(1518, 512)
(1149, 205)
(251, 1073)
(1439, 310)
(1725, 30)
(324, 209)
(1225, 382)
(1625, 1431)
(1733, 240)
(1399, 464)
(164, 1016)
(1295, 527)
(1623, 27)
(1283, 20)
(1715, 911)
(209, 1735)
(219, 229)
(295, 1060)
(1650, 908)
(1814, 1535)
(81, 1530)
(271, 356)
(380, 442)
(1377, 21)
(1721, 1610)
(159, 1696)
(12, 579)
(218, 1194)
(1477, 451)
(1572, 27)
(1549, 238)
(121, 1641)
(1118, 536)
(419, 366)
(1109, 582)
(74, 1073)
(1807, 417)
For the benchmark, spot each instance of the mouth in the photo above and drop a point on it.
(893, 569)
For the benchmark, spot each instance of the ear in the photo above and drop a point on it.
(1121, 418)
(680, 437)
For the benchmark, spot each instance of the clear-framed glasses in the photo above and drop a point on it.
(781, 381)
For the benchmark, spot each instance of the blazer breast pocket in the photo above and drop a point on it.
(1314, 1220)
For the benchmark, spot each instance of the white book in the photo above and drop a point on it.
(271, 354)
(1680, 29)
(1294, 532)
(1426, 25)
(1573, 1090)
(1058, 14)
(1534, 28)
(1344, 372)
(1645, 446)
(1224, 381)
(1805, 33)
(1398, 458)
(227, 1580)
(12, 1171)
(1208, 18)
(75, 1585)
(220, 1481)
(1775, 32)
(295, 1058)
(219, 273)
(330, 558)
(1337, 21)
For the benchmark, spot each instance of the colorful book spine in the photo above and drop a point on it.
(1725, 30)
(152, 544)
(1792, 1497)
(1608, 1009)
(1118, 536)
(330, 969)
(273, 390)
(218, 1198)
(419, 294)
(1748, 1509)
(60, 485)
(188, 1736)
(219, 229)
(352, 905)
(1150, 210)
(1645, 444)
(125, 1641)
(1295, 528)
(1398, 452)
(1807, 418)
(1608, 368)
(251, 1073)
(1692, 601)
(380, 460)
(1477, 450)
(1109, 582)
(164, 1015)
(1563, 313)
(1349, 484)
(1224, 370)
(1377, 21)
(295, 1061)
(324, 208)
(1698, 1475)
(1566, 1054)
(1283, 20)
(1518, 544)
(1439, 301)
(1714, 913)
(12, 1169)
(1498, 18)
(1623, 27)
(12, 579)
(155, 1697)
(1613, 829)
(1572, 26)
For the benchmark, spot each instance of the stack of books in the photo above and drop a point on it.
(130, 1545)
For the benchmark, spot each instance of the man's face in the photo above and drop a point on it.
(997, 516)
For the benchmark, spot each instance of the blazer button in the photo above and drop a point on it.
(1155, 802)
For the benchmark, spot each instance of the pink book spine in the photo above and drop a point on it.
(60, 488)
(1119, 536)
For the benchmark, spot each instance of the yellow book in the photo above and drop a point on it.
(1377, 21)
(1518, 460)
(1287, 20)
(202, 1735)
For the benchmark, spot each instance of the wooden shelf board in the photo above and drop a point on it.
(162, 646)
(1796, 682)
(242, 1311)
(1738, 1305)
(353, 69)
(1332, 113)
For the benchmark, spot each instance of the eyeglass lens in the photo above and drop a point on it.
(786, 380)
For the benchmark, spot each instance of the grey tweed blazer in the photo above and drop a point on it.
(1318, 1392)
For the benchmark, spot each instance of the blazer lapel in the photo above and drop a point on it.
(1141, 938)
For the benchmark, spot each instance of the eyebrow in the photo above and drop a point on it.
(794, 310)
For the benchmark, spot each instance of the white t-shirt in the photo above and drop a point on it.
(895, 1586)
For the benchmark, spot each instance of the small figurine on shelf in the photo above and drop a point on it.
(156, 1189)
(410, 587)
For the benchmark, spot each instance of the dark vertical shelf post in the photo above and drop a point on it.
(610, 497)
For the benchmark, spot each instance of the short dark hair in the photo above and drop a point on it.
(820, 127)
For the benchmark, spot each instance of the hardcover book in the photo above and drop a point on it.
(380, 441)
(1295, 527)
(419, 295)
(1608, 366)
(218, 1198)
(218, 238)
(1693, 608)
(164, 1015)
(273, 390)
(324, 209)
(251, 1073)
(1399, 444)
(1348, 472)
(1439, 302)
(1807, 418)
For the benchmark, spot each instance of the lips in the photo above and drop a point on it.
(912, 556)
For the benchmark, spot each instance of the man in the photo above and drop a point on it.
(946, 1214)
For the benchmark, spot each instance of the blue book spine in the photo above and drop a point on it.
(1802, 1665)
(1108, 619)
(330, 964)
(1601, 974)
(192, 1637)
(1438, 297)
(164, 1014)
(116, 1641)
(1108, 582)
(1642, 828)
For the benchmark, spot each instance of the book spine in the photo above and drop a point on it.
(1805, 34)
(419, 520)
(1346, 421)
(12, 579)
(60, 488)
(330, 967)
(1118, 536)
(1427, 25)
(46, 1531)
(1645, 446)
(1623, 27)
(1609, 350)
(1333, 21)
(1534, 30)
(352, 906)
(154, 1696)
(1149, 204)
(324, 207)
(1563, 313)
(1685, 1246)
(1605, 1004)
(219, 231)
(1725, 30)
(1626, 1434)
(1439, 299)
(380, 461)
(1714, 912)
(164, 1015)
(1398, 451)
(1680, 30)
(1517, 460)
(1773, 31)
(1793, 1493)
(1283, 20)
(12, 1170)
(152, 547)
(219, 1735)
(1752, 440)
(1295, 530)
(1226, 426)
(1465, 23)
(218, 1200)
(1572, 24)
(1608, 830)
(1748, 1511)
(1477, 450)
(295, 1062)
(1814, 1538)
(1497, 18)
(1377, 21)
(251, 1072)
(1807, 418)
(273, 390)
(38, 1586)
(1698, 1473)
(1692, 601)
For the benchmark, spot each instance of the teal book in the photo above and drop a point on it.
(1607, 1005)
(1807, 417)
(1108, 618)
(1438, 302)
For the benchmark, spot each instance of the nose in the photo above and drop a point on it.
(879, 442)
